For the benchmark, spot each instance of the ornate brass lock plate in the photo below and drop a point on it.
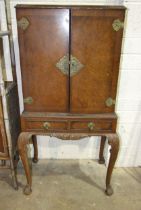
(75, 66)
(74, 63)
(63, 65)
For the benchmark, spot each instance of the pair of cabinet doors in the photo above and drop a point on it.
(69, 58)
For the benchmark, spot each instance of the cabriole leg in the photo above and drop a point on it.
(102, 144)
(35, 146)
(113, 140)
(23, 144)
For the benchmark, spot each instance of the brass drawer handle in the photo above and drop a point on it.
(91, 126)
(46, 125)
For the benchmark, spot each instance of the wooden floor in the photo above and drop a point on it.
(72, 185)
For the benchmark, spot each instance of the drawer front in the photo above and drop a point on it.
(92, 126)
(46, 125)
(70, 123)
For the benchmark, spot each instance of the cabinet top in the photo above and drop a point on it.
(26, 6)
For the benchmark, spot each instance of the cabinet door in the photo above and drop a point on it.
(96, 45)
(43, 40)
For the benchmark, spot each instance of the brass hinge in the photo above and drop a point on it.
(28, 100)
(23, 23)
(117, 25)
(109, 102)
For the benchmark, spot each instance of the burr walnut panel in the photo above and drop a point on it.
(92, 126)
(46, 125)
(97, 46)
(42, 44)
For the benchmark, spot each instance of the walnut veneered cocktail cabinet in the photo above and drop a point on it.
(69, 58)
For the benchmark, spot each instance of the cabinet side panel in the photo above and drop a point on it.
(42, 44)
(97, 47)
(13, 114)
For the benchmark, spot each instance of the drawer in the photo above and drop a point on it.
(46, 125)
(92, 126)
(68, 123)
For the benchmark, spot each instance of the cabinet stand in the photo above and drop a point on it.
(26, 138)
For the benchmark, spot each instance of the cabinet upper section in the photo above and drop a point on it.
(70, 57)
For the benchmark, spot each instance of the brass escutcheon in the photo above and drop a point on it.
(63, 65)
